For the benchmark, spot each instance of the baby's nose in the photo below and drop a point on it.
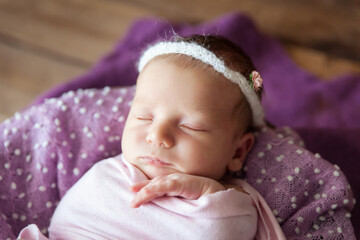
(160, 134)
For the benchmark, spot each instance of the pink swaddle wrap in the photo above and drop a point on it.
(97, 207)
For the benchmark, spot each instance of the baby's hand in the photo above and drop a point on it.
(176, 184)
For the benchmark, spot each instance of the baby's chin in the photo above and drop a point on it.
(152, 172)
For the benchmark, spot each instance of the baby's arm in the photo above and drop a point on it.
(176, 184)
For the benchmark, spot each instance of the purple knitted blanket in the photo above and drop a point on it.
(45, 149)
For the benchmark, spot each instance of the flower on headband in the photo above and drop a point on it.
(256, 80)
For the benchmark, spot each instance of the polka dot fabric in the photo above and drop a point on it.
(310, 198)
(46, 149)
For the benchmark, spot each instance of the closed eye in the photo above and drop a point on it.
(192, 128)
(143, 117)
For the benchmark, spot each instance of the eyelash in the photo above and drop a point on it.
(145, 118)
(192, 128)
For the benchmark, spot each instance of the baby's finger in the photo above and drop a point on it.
(142, 197)
(152, 190)
(138, 186)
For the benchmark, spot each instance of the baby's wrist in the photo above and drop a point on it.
(214, 187)
(237, 188)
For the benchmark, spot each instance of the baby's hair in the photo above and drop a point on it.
(234, 58)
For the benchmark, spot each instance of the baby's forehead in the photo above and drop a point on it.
(214, 96)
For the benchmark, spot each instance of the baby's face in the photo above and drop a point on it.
(181, 121)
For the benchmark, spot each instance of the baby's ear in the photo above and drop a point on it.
(242, 147)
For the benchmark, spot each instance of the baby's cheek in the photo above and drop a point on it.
(129, 139)
(194, 153)
(139, 135)
(190, 146)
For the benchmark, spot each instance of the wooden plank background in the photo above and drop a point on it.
(46, 42)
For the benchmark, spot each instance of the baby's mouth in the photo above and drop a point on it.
(154, 161)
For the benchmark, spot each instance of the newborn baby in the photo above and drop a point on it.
(197, 101)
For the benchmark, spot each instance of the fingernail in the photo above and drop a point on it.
(133, 204)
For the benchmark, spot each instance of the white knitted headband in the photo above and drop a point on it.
(198, 52)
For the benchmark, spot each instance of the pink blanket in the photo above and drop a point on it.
(97, 207)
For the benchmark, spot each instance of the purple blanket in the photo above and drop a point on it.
(324, 114)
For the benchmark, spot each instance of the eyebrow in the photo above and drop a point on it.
(201, 111)
(238, 108)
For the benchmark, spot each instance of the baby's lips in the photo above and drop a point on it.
(155, 161)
